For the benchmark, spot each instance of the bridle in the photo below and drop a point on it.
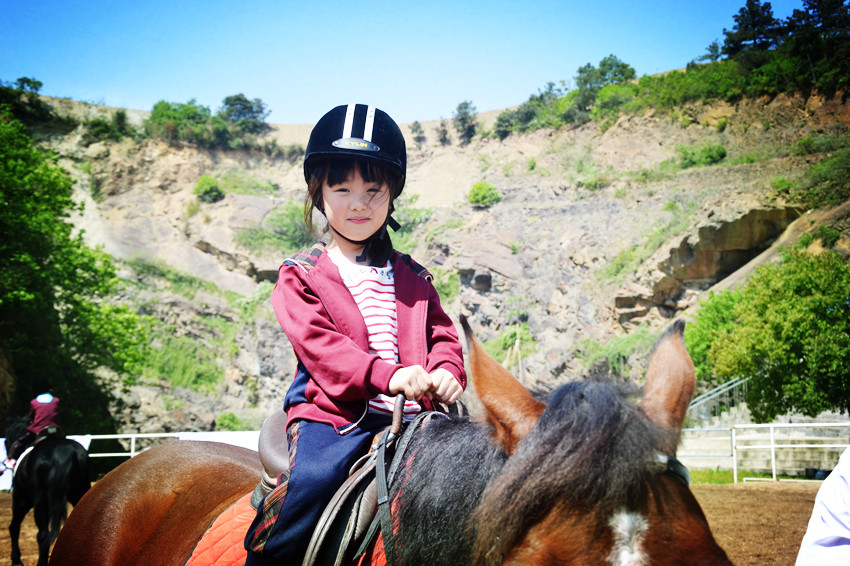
(671, 466)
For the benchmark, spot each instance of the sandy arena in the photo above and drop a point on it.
(758, 524)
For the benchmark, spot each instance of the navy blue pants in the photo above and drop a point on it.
(320, 459)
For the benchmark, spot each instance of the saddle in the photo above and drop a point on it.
(49, 431)
(352, 517)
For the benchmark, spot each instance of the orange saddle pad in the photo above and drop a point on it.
(222, 543)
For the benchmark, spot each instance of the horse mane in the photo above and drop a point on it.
(448, 466)
(467, 502)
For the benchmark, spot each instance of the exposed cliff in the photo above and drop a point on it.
(575, 202)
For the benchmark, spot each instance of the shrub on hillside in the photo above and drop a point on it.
(690, 156)
(208, 189)
(483, 193)
(103, 129)
(827, 182)
(822, 143)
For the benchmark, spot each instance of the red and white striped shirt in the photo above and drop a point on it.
(373, 289)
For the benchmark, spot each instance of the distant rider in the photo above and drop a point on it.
(44, 412)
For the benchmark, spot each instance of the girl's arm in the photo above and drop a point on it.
(344, 370)
(444, 349)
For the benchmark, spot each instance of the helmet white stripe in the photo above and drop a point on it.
(370, 122)
(349, 121)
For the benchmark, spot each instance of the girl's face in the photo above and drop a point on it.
(354, 208)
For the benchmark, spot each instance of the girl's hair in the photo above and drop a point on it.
(336, 170)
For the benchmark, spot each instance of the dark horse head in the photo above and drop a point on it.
(15, 427)
(582, 477)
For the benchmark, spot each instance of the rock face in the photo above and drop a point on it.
(672, 278)
(575, 203)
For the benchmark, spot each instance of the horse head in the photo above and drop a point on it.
(590, 478)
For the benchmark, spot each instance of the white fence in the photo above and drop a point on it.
(140, 442)
(774, 447)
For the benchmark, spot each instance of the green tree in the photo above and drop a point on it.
(589, 79)
(249, 116)
(464, 120)
(818, 47)
(442, 131)
(23, 100)
(791, 336)
(755, 29)
(712, 53)
(56, 320)
(418, 133)
(715, 317)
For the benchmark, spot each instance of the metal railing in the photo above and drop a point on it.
(723, 397)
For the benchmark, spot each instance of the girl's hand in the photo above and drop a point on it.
(413, 381)
(444, 386)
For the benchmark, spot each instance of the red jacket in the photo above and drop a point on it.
(43, 414)
(330, 340)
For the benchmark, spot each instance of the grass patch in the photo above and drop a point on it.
(617, 351)
(183, 361)
(499, 345)
(722, 477)
(229, 421)
(411, 219)
(447, 284)
(435, 234)
(628, 260)
(239, 182)
(690, 156)
(178, 282)
(283, 230)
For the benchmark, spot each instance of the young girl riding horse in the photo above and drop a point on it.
(365, 323)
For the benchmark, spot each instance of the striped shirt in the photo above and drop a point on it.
(373, 289)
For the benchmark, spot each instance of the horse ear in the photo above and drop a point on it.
(670, 381)
(510, 407)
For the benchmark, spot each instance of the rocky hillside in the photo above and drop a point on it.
(598, 234)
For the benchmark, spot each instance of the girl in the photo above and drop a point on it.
(365, 323)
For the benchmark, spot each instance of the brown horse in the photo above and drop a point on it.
(582, 477)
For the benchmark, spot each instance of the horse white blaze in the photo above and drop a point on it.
(629, 530)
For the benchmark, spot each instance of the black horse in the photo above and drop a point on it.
(54, 473)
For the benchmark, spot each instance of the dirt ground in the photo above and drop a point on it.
(758, 524)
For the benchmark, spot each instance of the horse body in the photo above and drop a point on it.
(583, 477)
(54, 473)
(152, 509)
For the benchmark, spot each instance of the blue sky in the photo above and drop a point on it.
(415, 60)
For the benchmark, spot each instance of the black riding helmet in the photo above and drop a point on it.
(360, 132)
(367, 133)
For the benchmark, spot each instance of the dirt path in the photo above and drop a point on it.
(758, 524)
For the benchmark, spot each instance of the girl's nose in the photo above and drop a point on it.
(360, 201)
